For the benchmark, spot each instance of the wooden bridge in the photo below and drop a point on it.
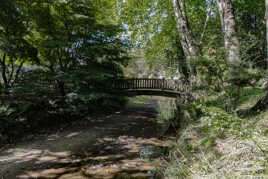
(155, 87)
(131, 87)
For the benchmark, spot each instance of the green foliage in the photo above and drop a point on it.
(13, 31)
(219, 121)
(219, 77)
(9, 116)
(57, 58)
(250, 26)
(92, 103)
(201, 144)
(177, 169)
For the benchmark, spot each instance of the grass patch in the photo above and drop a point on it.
(219, 144)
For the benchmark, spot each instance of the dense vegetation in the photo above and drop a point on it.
(56, 57)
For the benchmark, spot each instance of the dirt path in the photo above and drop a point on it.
(108, 147)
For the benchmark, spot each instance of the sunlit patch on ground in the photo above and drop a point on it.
(114, 146)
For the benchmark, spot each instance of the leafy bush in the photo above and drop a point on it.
(219, 122)
(93, 103)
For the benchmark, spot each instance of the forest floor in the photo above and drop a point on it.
(107, 147)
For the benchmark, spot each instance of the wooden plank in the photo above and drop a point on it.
(146, 84)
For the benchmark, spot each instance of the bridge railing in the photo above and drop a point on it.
(145, 83)
(125, 84)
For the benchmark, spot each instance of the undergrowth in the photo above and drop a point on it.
(42, 115)
(214, 143)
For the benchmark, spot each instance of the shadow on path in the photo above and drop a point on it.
(108, 147)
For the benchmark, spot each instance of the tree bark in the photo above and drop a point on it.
(211, 4)
(4, 68)
(16, 78)
(188, 42)
(231, 42)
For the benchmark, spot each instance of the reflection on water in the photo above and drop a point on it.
(168, 114)
(146, 152)
(167, 109)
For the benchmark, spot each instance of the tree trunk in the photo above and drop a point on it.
(187, 39)
(4, 68)
(16, 78)
(188, 42)
(231, 42)
(211, 4)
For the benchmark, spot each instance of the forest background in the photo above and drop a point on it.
(56, 57)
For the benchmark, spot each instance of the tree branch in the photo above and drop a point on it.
(207, 20)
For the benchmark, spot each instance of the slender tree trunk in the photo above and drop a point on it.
(187, 39)
(231, 42)
(12, 70)
(16, 78)
(4, 68)
(188, 42)
(211, 4)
